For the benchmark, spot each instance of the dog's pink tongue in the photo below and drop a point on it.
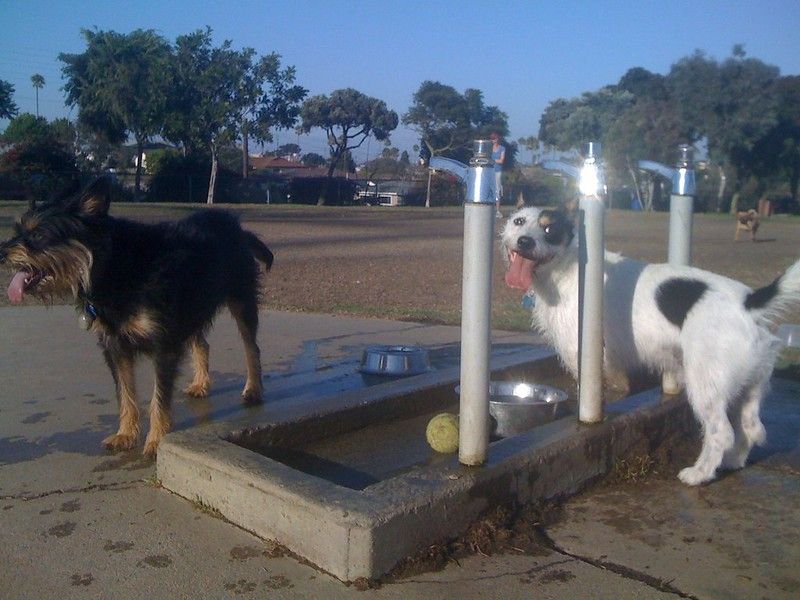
(520, 272)
(16, 289)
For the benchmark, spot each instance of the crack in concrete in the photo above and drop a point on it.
(621, 570)
(533, 571)
(120, 485)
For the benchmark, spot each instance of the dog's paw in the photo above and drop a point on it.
(757, 434)
(120, 441)
(733, 461)
(252, 396)
(198, 389)
(150, 448)
(694, 476)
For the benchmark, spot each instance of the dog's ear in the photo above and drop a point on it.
(568, 221)
(95, 199)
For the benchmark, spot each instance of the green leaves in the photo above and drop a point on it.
(447, 121)
(8, 108)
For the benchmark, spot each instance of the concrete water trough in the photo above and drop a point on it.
(353, 487)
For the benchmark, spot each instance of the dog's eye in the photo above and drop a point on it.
(547, 229)
(519, 221)
(37, 237)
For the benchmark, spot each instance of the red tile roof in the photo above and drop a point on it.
(274, 162)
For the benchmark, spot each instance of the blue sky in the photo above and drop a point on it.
(521, 54)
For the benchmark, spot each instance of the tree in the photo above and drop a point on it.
(38, 83)
(287, 150)
(348, 117)
(8, 108)
(447, 121)
(120, 84)
(440, 116)
(219, 95)
(277, 106)
(777, 154)
(312, 159)
(731, 104)
(568, 124)
(41, 157)
(26, 128)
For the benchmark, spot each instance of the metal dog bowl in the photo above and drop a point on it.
(395, 360)
(516, 407)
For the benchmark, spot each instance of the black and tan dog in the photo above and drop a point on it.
(149, 289)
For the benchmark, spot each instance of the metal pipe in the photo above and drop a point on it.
(681, 211)
(476, 300)
(591, 272)
(476, 314)
(681, 205)
(476, 307)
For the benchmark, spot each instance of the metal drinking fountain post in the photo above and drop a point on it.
(591, 267)
(681, 209)
(476, 299)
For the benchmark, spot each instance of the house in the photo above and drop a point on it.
(278, 165)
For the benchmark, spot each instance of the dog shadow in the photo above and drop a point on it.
(757, 241)
(780, 413)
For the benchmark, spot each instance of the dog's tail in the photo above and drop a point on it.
(259, 249)
(771, 302)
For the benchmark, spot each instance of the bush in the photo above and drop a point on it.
(178, 178)
(38, 170)
(306, 190)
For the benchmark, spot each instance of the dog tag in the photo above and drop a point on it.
(528, 301)
(85, 321)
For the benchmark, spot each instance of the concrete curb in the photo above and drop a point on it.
(353, 534)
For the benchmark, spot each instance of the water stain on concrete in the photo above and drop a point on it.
(278, 582)
(83, 579)
(556, 576)
(243, 553)
(126, 461)
(159, 561)
(84, 441)
(71, 506)
(36, 418)
(62, 530)
(117, 547)
(242, 586)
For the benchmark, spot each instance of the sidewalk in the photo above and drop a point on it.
(76, 522)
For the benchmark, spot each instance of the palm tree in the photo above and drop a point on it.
(38, 83)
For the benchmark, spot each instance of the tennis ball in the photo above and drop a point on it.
(442, 433)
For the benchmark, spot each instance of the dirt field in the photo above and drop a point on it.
(405, 263)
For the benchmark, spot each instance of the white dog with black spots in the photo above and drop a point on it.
(708, 331)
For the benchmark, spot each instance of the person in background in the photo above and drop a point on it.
(499, 157)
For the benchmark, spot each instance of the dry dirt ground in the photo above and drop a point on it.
(405, 263)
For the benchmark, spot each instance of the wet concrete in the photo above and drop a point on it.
(76, 522)
(738, 537)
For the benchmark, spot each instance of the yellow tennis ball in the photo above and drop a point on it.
(442, 433)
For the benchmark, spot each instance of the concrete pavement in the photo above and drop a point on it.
(76, 522)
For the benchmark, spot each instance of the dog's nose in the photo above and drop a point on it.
(525, 242)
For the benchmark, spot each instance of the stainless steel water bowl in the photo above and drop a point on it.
(395, 360)
(516, 406)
